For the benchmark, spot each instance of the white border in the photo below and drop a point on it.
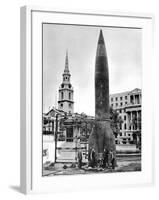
(31, 61)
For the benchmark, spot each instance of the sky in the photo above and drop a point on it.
(123, 46)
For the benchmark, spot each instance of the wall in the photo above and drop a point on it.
(9, 101)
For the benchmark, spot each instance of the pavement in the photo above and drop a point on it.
(123, 165)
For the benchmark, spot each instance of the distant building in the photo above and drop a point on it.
(65, 101)
(50, 125)
(49, 121)
(68, 126)
(69, 129)
(128, 105)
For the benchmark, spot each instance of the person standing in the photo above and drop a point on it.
(89, 157)
(109, 158)
(105, 158)
(80, 158)
(93, 159)
(112, 159)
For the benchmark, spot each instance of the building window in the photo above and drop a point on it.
(116, 98)
(121, 104)
(62, 95)
(62, 85)
(111, 99)
(132, 99)
(70, 105)
(116, 104)
(126, 97)
(112, 105)
(126, 102)
(125, 126)
(121, 98)
(61, 105)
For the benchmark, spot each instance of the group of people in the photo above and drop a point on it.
(106, 161)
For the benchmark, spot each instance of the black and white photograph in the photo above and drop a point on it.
(91, 99)
(79, 100)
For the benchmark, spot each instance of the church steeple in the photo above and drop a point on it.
(65, 101)
(66, 73)
(66, 70)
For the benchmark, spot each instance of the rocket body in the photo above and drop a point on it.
(102, 136)
(101, 81)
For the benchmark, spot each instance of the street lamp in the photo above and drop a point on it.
(56, 132)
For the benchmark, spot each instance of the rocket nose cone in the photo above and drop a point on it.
(101, 38)
(101, 50)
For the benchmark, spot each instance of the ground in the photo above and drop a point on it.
(124, 164)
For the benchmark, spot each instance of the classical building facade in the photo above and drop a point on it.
(128, 105)
(70, 133)
(65, 101)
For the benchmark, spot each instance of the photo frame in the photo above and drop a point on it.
(32, 20)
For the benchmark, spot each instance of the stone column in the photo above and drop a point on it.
(131, 120)
(127, 141)
(137, 120)
(54, 125)
(134, 99)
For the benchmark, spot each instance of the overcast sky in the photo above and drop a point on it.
(123, 47)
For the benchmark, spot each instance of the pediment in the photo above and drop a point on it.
(136, 90)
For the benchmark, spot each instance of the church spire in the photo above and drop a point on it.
(66, 70)
(65, 101)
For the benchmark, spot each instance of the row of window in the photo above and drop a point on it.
(125, 126)
(118, 104)
(125, 134)
(69, 85)
(70, 105)
(62, 95)
(124, 115)
(119, 98)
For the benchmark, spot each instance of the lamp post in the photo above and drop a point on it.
(76, 148)
(56, 132)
